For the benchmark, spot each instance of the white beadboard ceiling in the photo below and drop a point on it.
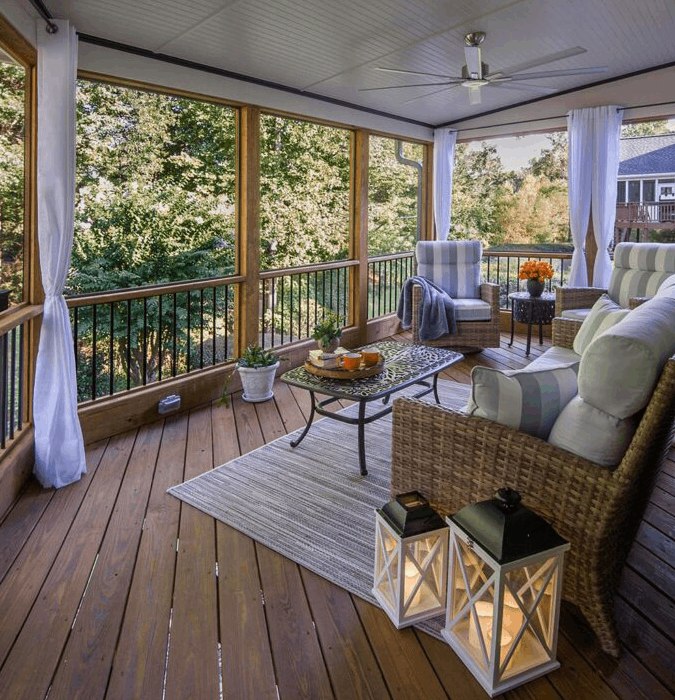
(332, 47)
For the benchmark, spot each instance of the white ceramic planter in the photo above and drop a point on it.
(257, 382)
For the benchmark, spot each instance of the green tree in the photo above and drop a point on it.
(12, 123)
(651, 128)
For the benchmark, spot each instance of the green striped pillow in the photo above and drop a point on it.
(527, 400)
(604, 314)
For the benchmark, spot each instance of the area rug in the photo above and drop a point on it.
(310, 503)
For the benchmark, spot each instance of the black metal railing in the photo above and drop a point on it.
(502, 267)
(293, 301)
(136, 337)
(386, 274)
(11, 383)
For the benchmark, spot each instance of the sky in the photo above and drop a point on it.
(517, 151)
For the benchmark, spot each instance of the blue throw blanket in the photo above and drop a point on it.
(437, 310)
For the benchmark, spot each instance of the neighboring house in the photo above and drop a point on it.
(647, 169)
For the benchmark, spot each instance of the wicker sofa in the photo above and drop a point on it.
(455, 459)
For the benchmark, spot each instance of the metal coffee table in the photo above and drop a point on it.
(404, 364)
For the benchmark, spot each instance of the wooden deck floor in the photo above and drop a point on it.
(112, 589)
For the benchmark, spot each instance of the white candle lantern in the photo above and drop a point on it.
(506, 566)
(411, 560)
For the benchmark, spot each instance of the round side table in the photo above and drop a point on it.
(527, 309)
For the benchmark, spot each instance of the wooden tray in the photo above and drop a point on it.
(341, 373)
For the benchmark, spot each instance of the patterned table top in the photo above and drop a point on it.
(546, 297)
(404, 364)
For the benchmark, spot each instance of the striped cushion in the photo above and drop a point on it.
(527, 400)
(472, 310)
(453, 265)
(604, 314)
(640, 269)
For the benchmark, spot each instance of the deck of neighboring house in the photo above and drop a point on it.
(109, 589)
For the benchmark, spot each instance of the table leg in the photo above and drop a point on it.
(541, 334)
(436, 388)
(295, 443)
(513, 310)
(529, 330)
(362, 438)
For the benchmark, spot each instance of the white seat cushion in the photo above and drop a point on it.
(620, 367)
(524, 399)
(472, 310)
(591, 433)
(604, 314)
(576, 314)
(554, 357)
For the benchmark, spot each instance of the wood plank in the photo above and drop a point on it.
(649, 645)
(661, 520)
(350, 660)
(30, 568)
(656, 542)
(248, 670)
(575, 679)
(33, 659)
(656, 571)
(87, 657)
(248, 429)
(289, 410)
(270, 420)
(400, 655)
(301, 671)
(663, 500)
(626, 675)
(192, 669)
(20, 521)
(140, 657)
(666, 483)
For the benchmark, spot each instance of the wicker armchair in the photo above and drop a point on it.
(471, 335)
(637, 266)
(455, 459)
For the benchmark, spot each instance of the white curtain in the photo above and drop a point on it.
(592, 167)
(444, 159)
(59, 448)
(579, 174)
(606, 146)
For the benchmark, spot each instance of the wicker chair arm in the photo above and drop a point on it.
(576, 298)
(634, 302)
(455, 459)
(564, 331)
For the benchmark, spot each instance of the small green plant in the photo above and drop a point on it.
(255, 356)
(328, 329)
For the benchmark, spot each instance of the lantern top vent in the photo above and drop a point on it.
(507, 529)
(410, 514)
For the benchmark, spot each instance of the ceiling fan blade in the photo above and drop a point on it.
(559, 73)
(414, 72)
(429, 94)
(475, 97)
(398, 87)
(567, 53)
(473, 63)
(524, 86)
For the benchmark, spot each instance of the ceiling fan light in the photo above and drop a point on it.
(474, 96)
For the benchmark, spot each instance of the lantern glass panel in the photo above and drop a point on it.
(534, 587)
(386, 565)
(423, 574)
(473, 569)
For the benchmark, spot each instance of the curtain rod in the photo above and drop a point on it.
(558, 116)
(46, 16)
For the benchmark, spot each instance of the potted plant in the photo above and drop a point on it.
(536, 272)
(327, 332)
(257, 368)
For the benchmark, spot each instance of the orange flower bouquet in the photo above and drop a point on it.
(537, 270)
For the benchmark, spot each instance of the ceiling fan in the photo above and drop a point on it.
(476, 74)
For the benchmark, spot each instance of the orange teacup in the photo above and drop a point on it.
(352, 360)
(370, 357)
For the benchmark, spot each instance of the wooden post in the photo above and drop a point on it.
(358, 304)
(248, 211)
(427, 232)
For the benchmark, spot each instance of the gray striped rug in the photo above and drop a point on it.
(310, 503)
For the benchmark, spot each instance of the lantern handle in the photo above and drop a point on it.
(507, 499)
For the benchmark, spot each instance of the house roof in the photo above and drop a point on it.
(643, 155)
